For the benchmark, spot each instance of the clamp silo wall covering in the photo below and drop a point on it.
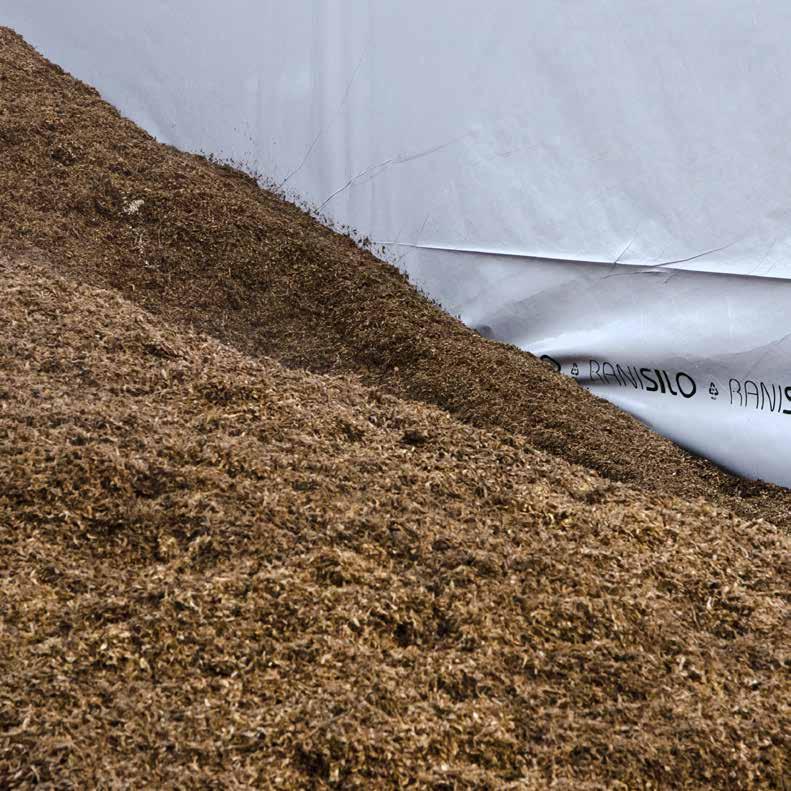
(607, 183)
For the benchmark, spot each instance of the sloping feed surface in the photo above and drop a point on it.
(219, 572)
(203, 246)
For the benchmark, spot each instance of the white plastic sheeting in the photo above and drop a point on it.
(605, 182)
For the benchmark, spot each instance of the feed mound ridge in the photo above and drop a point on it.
(204, 246)
(218, 572)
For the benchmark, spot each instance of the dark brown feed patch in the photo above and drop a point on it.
(201, 245)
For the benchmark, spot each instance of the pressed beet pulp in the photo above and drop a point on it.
(270, 518)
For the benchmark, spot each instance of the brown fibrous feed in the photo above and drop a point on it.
(203, 246)
(222, 572)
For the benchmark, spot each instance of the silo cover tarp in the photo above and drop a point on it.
(606, 184)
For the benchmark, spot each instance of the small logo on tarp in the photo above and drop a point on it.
(575, 370)
(552, 361)
(713, 392)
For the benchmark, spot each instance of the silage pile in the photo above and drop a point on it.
(221, 572)
(203, 246)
